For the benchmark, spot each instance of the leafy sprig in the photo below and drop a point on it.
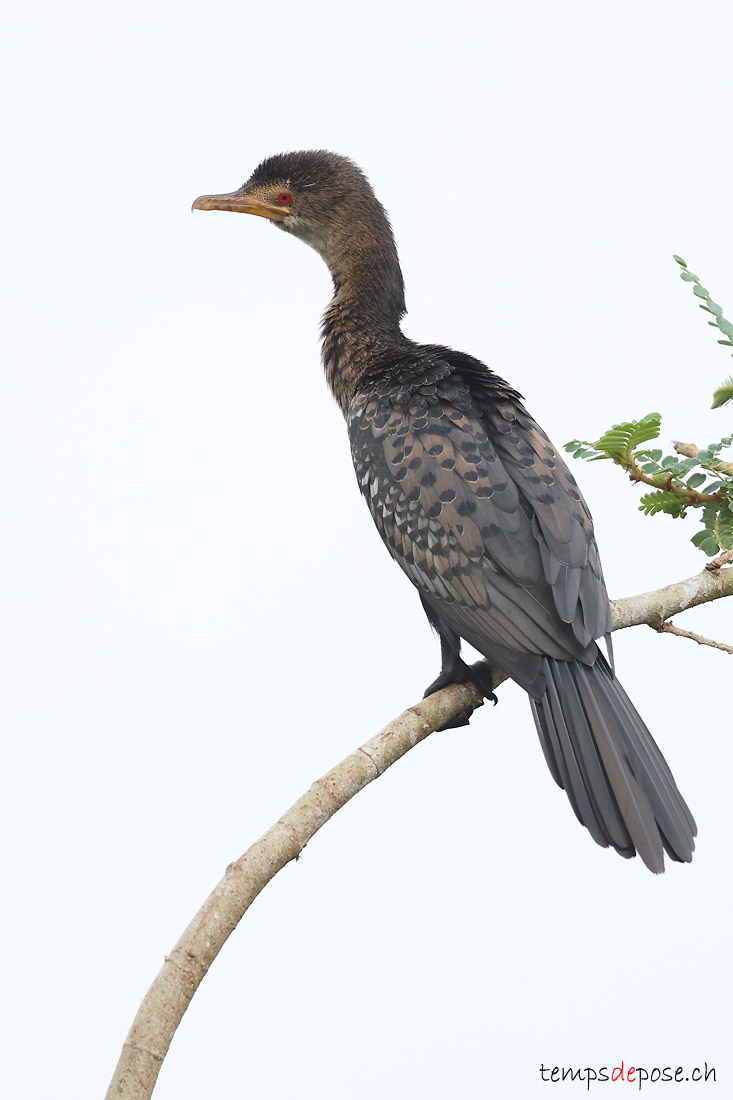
(724, 393)
(690, 478)
(676, 488)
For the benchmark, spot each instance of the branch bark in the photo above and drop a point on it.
(183, 970)
(654, 608)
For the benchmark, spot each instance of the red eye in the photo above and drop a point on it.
(284, 197)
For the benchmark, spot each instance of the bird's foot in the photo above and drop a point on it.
(458, 672)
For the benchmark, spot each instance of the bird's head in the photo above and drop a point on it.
(314, 195)
(321, 197)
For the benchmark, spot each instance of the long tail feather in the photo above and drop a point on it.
(602, 754)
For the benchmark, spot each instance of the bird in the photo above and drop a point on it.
(477, 507)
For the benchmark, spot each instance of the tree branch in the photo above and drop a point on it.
(183, 970)
(654, 608)
(670, 628)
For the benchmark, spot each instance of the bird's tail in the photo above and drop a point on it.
(600, 751)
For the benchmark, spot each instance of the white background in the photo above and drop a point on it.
(198, 618)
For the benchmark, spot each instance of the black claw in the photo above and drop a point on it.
(480, 674)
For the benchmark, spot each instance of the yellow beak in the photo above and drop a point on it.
(242, 203)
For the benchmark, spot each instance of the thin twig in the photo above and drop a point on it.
(670, 628)
(722, 559)
(183, 970)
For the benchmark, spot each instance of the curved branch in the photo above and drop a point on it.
(183, 970)
(654, 608)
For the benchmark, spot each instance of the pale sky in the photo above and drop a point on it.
(198, 616)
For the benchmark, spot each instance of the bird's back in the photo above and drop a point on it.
(478, 508)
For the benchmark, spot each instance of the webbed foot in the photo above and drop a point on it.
(458, 672)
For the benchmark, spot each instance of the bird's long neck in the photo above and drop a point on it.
(363, 318)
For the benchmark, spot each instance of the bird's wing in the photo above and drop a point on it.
(561, 521)
(486, 520)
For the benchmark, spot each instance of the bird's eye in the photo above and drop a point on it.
(284, 197)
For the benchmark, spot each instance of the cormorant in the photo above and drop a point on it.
(477, 507)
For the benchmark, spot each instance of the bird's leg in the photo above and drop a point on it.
(454, 669)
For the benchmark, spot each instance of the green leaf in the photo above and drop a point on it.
(679, 260)
(645, 431)
(714, 310)
(709, 546)
(695, 480)
(723, 394)
(723, 529)
(620, 441)
(661, 501)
